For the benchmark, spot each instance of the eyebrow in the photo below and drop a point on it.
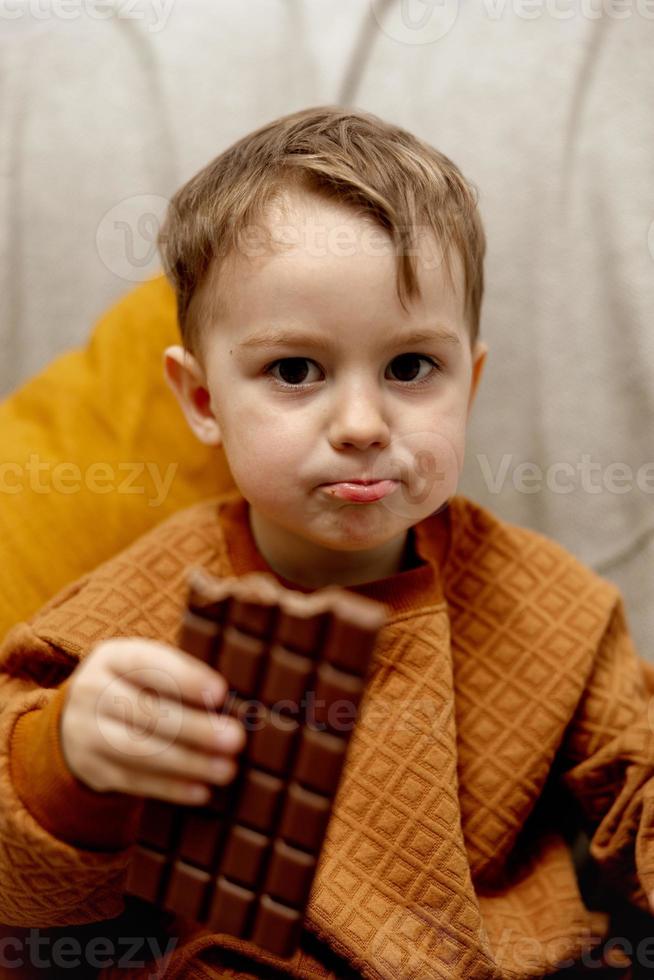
(284, 338)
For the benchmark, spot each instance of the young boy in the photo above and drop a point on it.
(328, 272)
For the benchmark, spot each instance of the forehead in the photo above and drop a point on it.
(301, 208)
(324, 226)
(313, 250)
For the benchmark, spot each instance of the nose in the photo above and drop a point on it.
(358, 418)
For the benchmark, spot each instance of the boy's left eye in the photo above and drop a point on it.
(407, 361)
(293, 373)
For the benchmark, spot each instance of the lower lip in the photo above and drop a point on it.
(361, 493)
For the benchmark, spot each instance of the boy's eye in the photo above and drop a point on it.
(406, 367)
(292, 370)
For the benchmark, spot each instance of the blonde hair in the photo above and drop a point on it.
(384, 172)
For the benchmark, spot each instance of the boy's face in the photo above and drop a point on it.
(346, 395)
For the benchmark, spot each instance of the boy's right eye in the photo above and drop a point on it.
(292, 370)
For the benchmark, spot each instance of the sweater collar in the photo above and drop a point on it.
(416, 586)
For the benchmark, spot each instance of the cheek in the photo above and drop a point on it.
(451, 430)
(263, 451)
(457, 434)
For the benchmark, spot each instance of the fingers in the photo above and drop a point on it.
(147, 784)
(201, 729)
(169, 671)
(174, 792)
(151, 724)
(155, 761)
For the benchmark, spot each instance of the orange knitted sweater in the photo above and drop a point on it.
(504, 688)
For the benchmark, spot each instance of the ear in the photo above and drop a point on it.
(478, 362)
(186, 378)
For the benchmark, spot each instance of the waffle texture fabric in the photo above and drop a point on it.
(504, 690)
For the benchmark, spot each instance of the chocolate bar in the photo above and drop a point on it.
(296, 666)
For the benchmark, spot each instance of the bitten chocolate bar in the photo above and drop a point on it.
(296, 666)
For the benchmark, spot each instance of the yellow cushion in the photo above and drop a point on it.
(94, 451)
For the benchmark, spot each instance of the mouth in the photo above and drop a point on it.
(360, 491)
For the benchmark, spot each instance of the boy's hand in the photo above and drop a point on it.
(139, 718)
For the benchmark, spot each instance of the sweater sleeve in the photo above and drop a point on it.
(64, 847)
(608, 762)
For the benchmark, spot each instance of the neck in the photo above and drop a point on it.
(322, 566)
